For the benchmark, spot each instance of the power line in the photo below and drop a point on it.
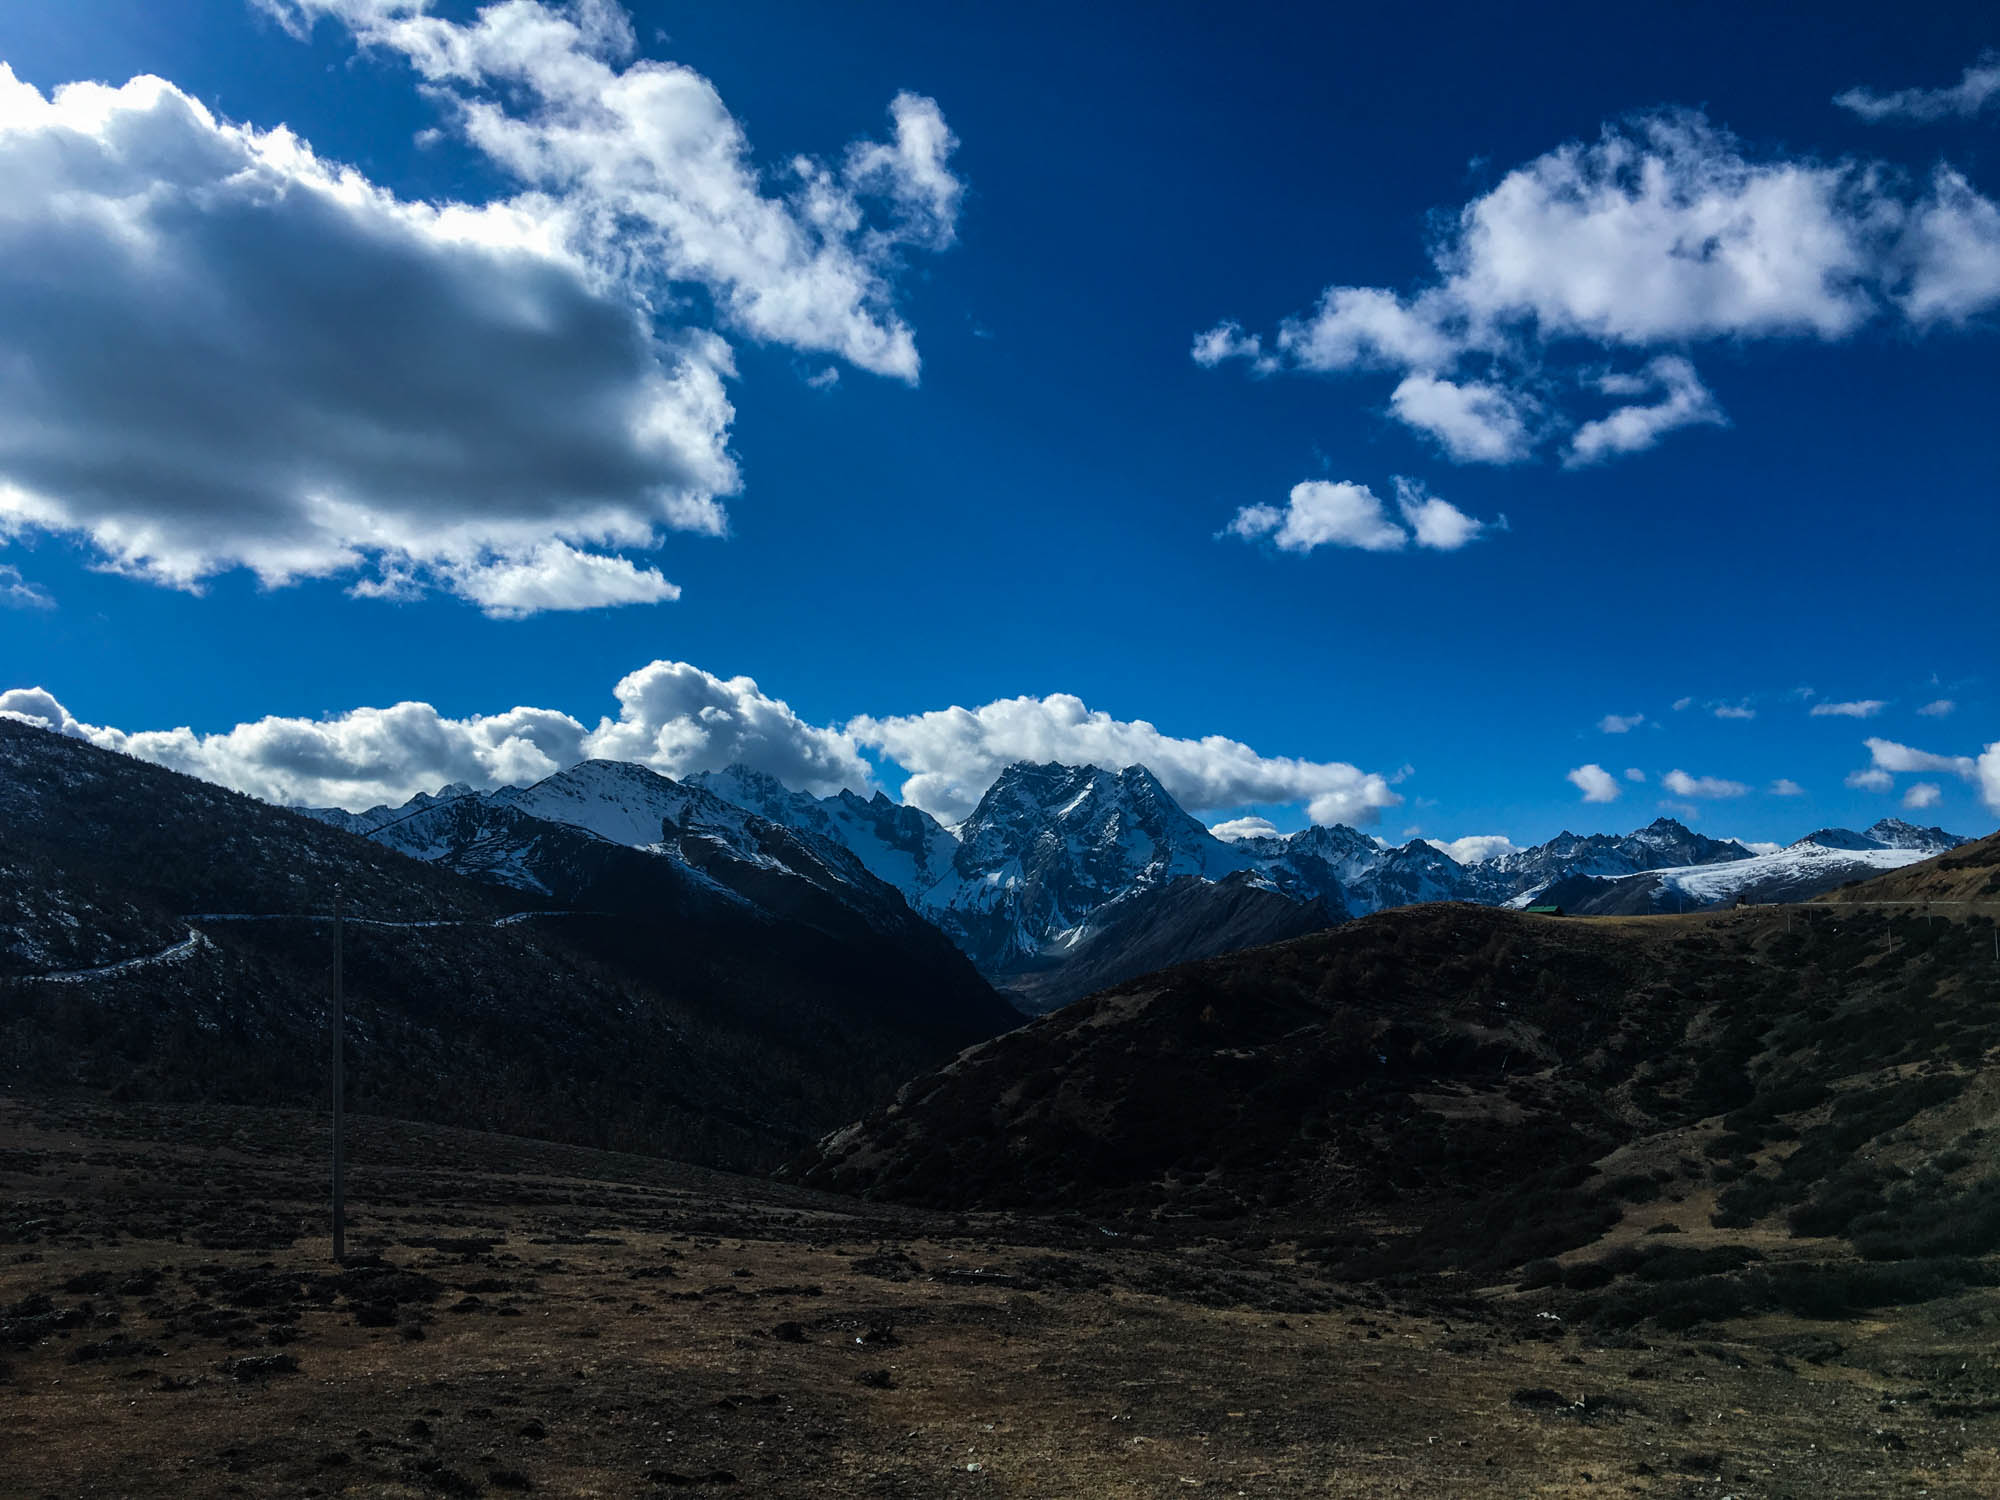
(339, 1088)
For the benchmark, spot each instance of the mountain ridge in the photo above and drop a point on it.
(1057, 862)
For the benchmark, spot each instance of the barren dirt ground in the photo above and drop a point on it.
(523, 1317)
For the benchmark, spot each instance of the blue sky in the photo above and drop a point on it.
(997, 478)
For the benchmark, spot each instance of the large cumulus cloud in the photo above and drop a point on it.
(680, 719)
(954, 754)
(219, 350)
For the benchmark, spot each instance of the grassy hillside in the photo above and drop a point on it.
(1970, 872)
(1452, 1091)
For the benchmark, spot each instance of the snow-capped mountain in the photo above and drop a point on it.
(529, 838)
(1049, 845)
(1665, 843)
(902, 845)
(1889, 833)
(1821, 861)
(365, 823)
(1071, 865)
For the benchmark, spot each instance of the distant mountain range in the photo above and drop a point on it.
(1068, 878)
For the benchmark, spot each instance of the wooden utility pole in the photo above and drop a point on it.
(339, 1087)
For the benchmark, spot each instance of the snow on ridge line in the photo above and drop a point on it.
(1718, 882)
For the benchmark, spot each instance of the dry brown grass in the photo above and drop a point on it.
(632, 1315)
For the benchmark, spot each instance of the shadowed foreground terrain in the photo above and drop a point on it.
(525, 1317)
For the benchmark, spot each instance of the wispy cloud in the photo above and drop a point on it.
(1683, 785)
(1887, 755)
(1977, 88)
(1681, 401)
(17, 593)
(1863, 708)
(1620, 723)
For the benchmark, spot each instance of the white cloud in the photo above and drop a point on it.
(1978, 87)
(1633, 773)
(224, 351)
(1475, 848)
(1683, 402)
(38, 706)
(1365, 326)
(1683, 785)
(17, 593)
(1475, 421)
(1863, 708)
(1620, 723)
(1760, 846)
(671, 716)
(1663, 232)
(641, 166)
(1437, 523)
(1887, 755)
(1870, 780)
(1227, 341)
(1988, 769)
(1735, 711)
(1323, 513)
(679, 719)
(1244, 828)
(1937, 708)
(955, 753)
(354, 760)
(555, 576)
(1682, 704)
(1784, 786)
(1596, 783)
(1922, 794)
(1951, 247)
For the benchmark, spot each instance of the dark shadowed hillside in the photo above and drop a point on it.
(1155, 928)
(647, 1007)
(1458, 1089)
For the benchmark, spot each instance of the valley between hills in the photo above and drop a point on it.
(689, 1169)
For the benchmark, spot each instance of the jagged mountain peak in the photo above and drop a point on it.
(1838, 838)
(1895, 833)
(1664, 825)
